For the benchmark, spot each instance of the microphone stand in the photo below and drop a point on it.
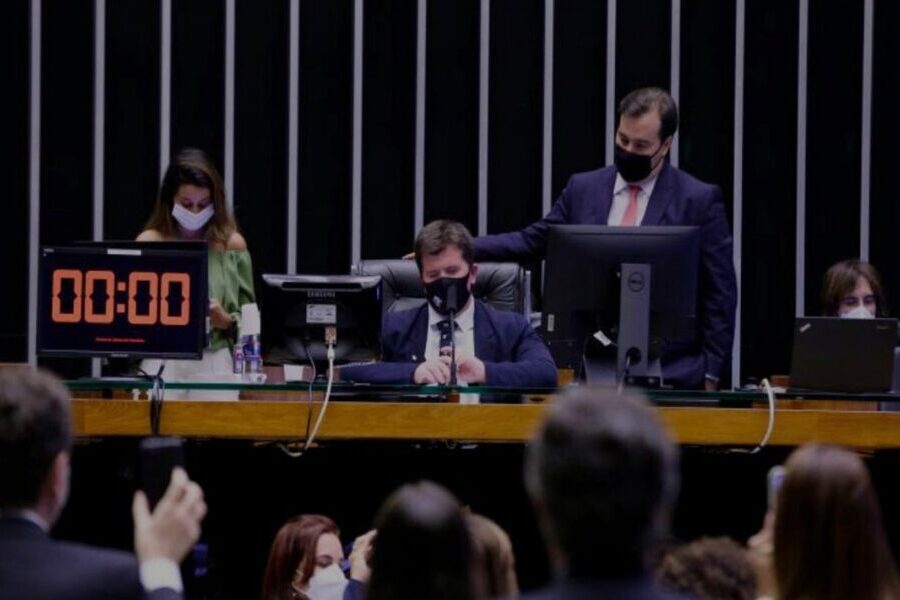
(453, 347)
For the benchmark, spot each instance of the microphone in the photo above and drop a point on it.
(452, 306)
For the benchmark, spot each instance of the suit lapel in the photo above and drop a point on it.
(606, 187)
(485, 338)
(663, 192)
(414, 348)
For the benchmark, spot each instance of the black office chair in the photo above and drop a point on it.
(504, 286)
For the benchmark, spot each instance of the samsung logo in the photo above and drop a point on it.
(319, 294)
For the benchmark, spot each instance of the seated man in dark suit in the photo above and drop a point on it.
(603, 476)
(35, 439)
(642, 188)
(494, 348)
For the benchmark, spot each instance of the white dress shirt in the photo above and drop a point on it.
(622, 195)
(464, 335)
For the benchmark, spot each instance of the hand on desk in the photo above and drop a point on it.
(469, 369)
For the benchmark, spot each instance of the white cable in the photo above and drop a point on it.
(771, 426)
(312, 435)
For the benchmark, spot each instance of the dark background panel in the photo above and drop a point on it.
(67, 121)
(579, 89)
(643, 44)
(706, 103)
(885, 209)
(833, 135)
(67, 129)
(261, 130)
(14, 49)
(451, 111)
(198, 77)
(326, 129)
(515, 114)
(769, 187)
(131, 153)
(389, 121)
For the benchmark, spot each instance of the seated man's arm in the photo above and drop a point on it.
(718, 288)
(530, 365)
(526, 244)
(380, 373)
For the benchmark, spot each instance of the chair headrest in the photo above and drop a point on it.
(497, 284)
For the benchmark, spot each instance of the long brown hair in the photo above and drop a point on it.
(493, 561)
(192, 166)
(294, 549)
(829, 539)
(840, 279)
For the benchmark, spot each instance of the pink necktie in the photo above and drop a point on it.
(629, 219)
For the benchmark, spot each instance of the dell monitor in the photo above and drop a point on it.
(614, 296)
(298, 311)
(123, 299)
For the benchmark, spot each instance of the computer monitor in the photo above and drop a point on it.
(613, 296)
(297, 309)
(832, 354)
(123, 299)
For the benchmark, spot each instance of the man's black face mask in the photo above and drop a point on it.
(448, 294)
(633, 167)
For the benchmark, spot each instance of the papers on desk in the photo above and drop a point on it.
(297, 373)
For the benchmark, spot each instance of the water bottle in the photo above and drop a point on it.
(249, 341)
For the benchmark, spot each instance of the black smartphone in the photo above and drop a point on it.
(159, 456)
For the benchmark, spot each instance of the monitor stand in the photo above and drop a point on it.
(628, 360)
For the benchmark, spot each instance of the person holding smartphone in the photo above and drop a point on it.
(35, 448)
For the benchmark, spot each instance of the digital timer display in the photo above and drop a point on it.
(132, 299)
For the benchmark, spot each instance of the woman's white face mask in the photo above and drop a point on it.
(860, 312)
(192, 221)
(327, 583)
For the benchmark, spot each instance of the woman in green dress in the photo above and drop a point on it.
(191, 206)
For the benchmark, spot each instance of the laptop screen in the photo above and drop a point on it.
(843, 355)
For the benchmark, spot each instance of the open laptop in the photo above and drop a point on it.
(843, 355)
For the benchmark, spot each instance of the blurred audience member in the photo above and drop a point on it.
(305, 561)
(829, 541)
(35, 444)
(852, 289)
(603, 476)
(422, 548)
(493, 561)
(711, 568)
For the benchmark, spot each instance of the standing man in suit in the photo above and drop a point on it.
(602, 474)
(642, 188)
(494, 348)
(35, 443)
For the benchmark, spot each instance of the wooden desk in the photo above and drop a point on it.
(286, 420)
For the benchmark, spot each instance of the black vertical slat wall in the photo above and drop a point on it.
(515, 114)
(261, 130)
(14, 48)
(643, 42)
(834, 104)
(885, 202)
(706, 138)
(579, 89)
(66, 211)
(451, 108)
(769, 186)
(326, 126)
(198, 77)
(515, 161)
(131, 117)
(389, 128)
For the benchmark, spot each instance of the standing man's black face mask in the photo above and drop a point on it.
(448, 294)
(633, 167)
